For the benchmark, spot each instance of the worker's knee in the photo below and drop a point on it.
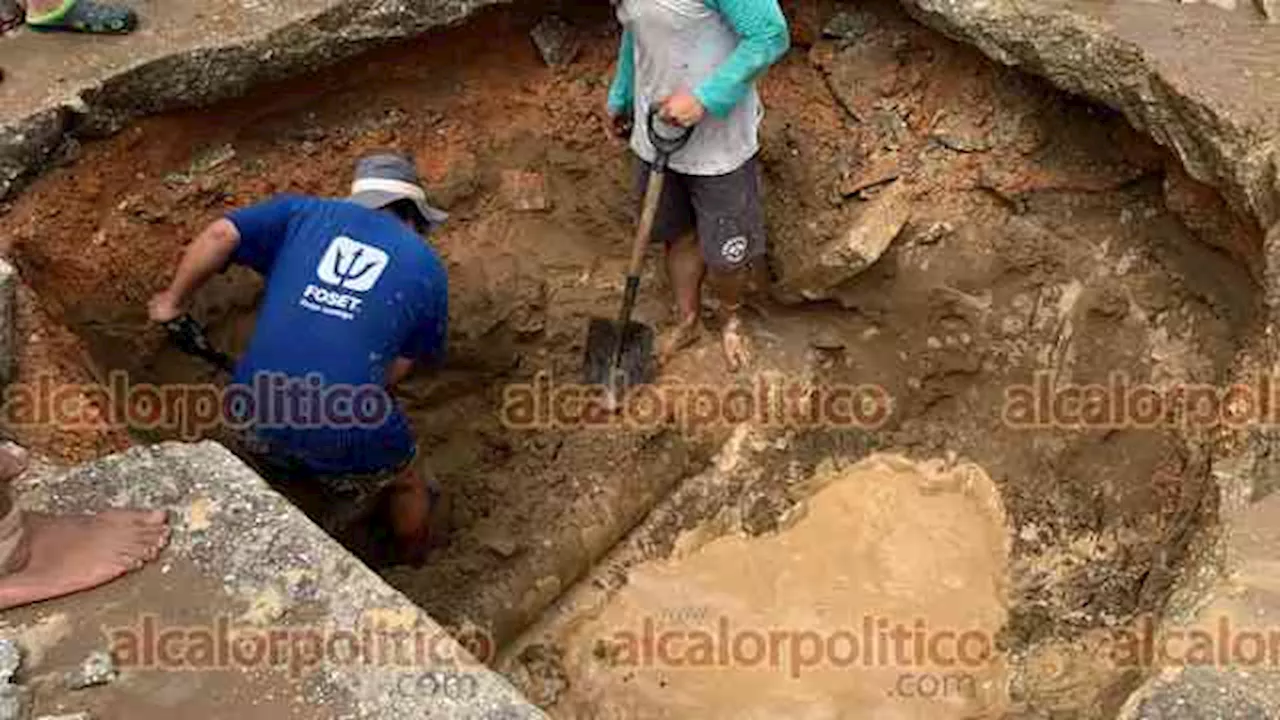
(685, 245)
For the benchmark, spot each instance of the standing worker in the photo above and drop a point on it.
(698, 60)
(354, 298)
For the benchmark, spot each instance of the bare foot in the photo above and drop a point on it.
(678, 338)
(69, 553)
(737, 345)
(61, 555)
(11, 16)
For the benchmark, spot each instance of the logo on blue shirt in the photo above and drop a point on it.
(347, 264)
(351, 265)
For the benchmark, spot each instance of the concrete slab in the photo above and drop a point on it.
(185, 54)
(252, 612)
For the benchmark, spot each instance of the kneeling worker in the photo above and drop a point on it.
(354, 298)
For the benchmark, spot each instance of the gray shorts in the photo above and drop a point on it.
(725, 210)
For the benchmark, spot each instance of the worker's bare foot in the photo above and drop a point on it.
(11, 15)
(65, 554)
(678, 338)
(737, 344)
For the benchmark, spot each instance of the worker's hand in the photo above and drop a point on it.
(164, 307)
(620, 125)
(683, 109)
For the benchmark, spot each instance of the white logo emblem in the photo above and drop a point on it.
(734, 249)
(351, 265)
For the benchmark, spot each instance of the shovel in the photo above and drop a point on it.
(618, 353)
(189, 337)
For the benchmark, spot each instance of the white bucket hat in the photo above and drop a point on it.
(384, 178)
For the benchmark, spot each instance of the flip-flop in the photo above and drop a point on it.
(86, 16)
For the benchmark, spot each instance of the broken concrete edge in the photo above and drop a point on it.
(194, 77)
(269, 558)
(1082, 55)
(692, 512)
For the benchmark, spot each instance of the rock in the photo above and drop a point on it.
(847, 26)
(456, 180)
(854, 250)
(962, 144)
(211, 159)
(10, 660)
(525, 191)
(1268, 9)
(933, 234)
(557, 41)
(540, 674)
(72, 716)
(499, 540)
(97, 669)
(879, 171)
(889, 127)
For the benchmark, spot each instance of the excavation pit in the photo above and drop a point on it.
(1031, 233)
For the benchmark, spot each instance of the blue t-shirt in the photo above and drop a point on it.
(348, 290)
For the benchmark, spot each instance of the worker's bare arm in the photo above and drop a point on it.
(205, 257)
(399, 370)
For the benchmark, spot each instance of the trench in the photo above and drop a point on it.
(1031, 232)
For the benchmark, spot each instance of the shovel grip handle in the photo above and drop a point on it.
(665, 146)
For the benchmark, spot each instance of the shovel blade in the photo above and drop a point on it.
(635, 367)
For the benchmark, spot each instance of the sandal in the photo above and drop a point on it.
(86, 16)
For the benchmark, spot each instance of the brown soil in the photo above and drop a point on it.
(1039, 238)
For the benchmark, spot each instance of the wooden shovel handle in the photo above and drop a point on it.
(648, 211)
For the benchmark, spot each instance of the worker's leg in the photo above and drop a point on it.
(410, 507)
(48, 556)
(419, 512)
(729, 287)
(685, 269)
(732, 237)
(674, 227)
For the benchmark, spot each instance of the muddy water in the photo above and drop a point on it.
(881, 601)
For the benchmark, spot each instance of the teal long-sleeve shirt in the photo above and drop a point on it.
(765, 38)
